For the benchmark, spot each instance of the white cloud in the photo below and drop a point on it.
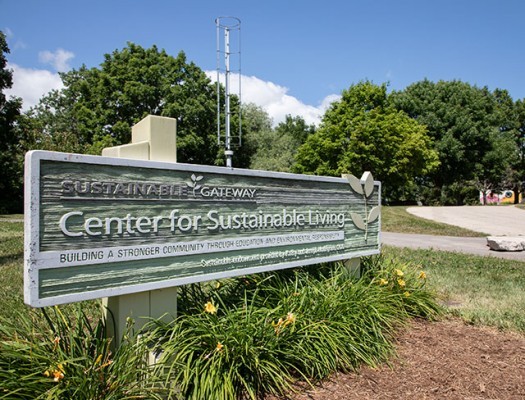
(13, 43)
(59, 59)
(32, 84)
(274, 99)
(328, 100)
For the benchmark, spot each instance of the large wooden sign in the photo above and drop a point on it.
(98, 226)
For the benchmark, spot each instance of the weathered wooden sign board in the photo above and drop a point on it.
(99, 226)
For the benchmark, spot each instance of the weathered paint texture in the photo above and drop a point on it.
(98, 227)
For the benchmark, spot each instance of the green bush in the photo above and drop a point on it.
(236, 338)
(257, 335)
(71, 359)
(406, 280)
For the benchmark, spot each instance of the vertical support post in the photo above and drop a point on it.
(353, 267)
(228, 152)
(152, 138)
(229, 26)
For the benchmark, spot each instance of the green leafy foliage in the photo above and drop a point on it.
(100, 105)
(407, 280)
(252, 336)
(70, 357)
(363, 132)
(238, 338)
(10, 172)
(519, 135)
(276, 148)
(256, 126)
(472, 129)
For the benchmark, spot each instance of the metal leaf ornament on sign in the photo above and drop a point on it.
(364, 187)
(193, 184)
(358, 221)
(367, 181)
(374, 214)
(355, 184)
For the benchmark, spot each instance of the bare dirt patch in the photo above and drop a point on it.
(438, 360)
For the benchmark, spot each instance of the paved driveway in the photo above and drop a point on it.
(469, 245)
(491, 220)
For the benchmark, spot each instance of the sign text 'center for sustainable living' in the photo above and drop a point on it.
(101, 226)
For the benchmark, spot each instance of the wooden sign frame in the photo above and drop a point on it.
(99, 226)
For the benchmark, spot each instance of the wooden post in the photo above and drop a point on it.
(153, 138)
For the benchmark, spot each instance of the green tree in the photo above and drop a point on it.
(511, 117)
(520, 142)
(495, 171)
(100, 105)
(467, 125)
(363, 132)
(255, 124)
(276, 148)
(297, 128)
(10, 152)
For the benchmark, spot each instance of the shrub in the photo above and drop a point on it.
(257, 335)
(234, 338)
(71, 359)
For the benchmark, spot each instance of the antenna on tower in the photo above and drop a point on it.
(228, 61)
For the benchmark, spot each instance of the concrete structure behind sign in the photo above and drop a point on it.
(153, 138)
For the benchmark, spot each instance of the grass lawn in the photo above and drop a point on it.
(397, 219)
(11, 261)
(481, 290)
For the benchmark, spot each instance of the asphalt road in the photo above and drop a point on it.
(491, 220)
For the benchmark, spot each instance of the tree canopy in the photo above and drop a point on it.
(519, 136)
(364, 132)
(10, 162)
(437, 141)
(100, 105)
(472, 129)
(277, 148)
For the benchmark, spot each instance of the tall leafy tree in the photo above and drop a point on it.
(255, 124)
(520, 142)
(296, 127)
(100, 105)
(467, 125)
(363, 132)
(511, 117)
(10, 154)
(276, 148)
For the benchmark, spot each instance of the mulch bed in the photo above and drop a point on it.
(438, 360)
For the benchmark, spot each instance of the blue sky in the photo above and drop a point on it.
(296, 55)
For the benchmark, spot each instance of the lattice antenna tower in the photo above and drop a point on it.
(228, 62)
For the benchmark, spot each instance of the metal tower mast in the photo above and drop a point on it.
(228, 54)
